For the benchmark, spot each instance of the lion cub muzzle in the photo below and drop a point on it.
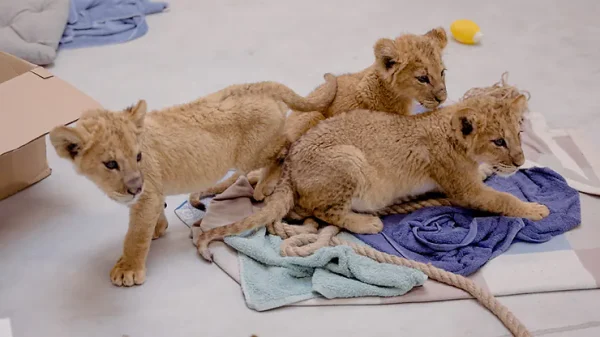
(134, 183)
(440, 95)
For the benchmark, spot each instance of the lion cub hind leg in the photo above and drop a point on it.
(195, 198)
(344, 169)
(270, 175)
(161, 226)
(343, 217)
(298, 123)
(267, 182)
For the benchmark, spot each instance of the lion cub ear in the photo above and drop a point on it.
(519, 104)
(137, 113)
(466, 123)
(388, 56)
(68, 142)
(438, 35)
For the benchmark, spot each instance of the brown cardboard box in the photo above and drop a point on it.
(32, 101)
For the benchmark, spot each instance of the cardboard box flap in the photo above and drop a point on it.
(12, 66)
(34, 102)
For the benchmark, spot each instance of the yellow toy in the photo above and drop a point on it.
(466, 31)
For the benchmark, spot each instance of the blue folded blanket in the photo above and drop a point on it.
(462, 241)
(100, 22)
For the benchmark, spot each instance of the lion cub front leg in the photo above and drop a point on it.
(485, 198)
(144, 217)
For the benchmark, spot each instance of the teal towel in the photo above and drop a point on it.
(270, 280)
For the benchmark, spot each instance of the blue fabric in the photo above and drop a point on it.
(101, 22)
(270, 280)
(462, 241)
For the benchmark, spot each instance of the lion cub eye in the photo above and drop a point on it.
(139, 157)
(443, 72)
(500, 142)
(423, 79)
(111, 165)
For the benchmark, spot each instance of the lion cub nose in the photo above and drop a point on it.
(518, 159)
(134, 184)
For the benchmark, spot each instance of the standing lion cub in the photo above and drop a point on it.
(359, 162)
(138, 159)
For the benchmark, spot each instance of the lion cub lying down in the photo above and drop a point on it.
(406, 69)
(137, 160)
(358, 163)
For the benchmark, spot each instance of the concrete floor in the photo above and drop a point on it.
(60, 238)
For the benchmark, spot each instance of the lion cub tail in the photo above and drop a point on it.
(277, 206)
(319, 100)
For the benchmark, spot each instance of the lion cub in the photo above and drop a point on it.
(406, 69)
(137, 159)
(360, 162)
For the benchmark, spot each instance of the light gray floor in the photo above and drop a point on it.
(59, 239)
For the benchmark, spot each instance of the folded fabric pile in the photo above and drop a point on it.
(567, 152)
(452, 238)
(462, 241)
(270, 280)
(101, 22)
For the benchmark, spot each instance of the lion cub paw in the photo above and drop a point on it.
(195, 200)
(363, 224)
(535, 211)
(262, 191)
(125, 274)
(269, 189)
(258, 194)
(485, 171)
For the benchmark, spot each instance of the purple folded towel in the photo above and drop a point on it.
(461, 240)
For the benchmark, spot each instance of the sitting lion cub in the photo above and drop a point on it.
(137, 160)
(406, 69)
(358, 163)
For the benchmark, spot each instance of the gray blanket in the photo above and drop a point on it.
(31, 29)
